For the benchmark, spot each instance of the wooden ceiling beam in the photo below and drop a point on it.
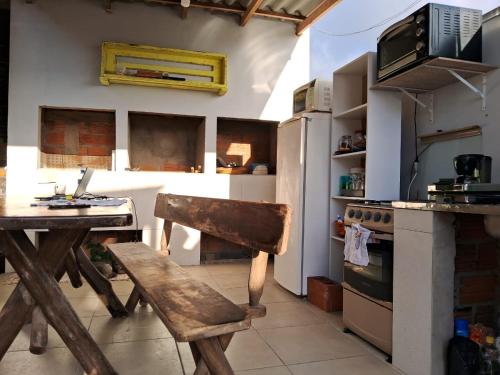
(231, 9)
(253, 6)
(312, 17)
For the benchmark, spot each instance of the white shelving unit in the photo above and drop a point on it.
(356, 106)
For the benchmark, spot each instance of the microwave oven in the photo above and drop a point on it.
(434, 30)
(313, 96)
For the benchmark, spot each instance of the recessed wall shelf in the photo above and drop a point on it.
(356, 113)
(436, 73)
(350, 155)
(163, 67)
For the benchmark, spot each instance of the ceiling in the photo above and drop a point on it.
(302, 12)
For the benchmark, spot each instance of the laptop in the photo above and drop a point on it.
(80, 190)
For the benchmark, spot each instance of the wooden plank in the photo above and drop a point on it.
(251, 9)
(319, 11)
(133, 300)
(15, 215)
(190, 309)
(260, 226)
(71, 267)
(35, 273)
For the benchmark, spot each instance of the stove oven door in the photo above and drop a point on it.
(375, 279)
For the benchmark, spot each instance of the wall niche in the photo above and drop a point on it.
(246, 141)
(161, 142)
(73, 138)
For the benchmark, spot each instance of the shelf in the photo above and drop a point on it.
(343, 197)
(356, 113)
(350, 155)
(433, 74)
(206, 72)
(337, 238)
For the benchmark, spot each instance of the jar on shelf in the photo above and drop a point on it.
(357, 179)
(344, 145)
(359, 141)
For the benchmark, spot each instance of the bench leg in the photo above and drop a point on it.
(211, 351)
(201, 366)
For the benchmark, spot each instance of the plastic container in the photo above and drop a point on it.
(461, 328)
(339, 226)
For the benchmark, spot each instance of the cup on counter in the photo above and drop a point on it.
(60, 189)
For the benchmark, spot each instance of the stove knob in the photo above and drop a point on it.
(387, 218)
(377, 216)
(420, 46)
(420, 31)
(359, 214)
(420, 19)
(368, 215)
(350, 213)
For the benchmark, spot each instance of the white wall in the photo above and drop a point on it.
(55, 61)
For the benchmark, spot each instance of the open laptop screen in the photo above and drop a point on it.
(82, 186)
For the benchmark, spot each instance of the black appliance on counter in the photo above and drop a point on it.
(434, 30)
(473, 184)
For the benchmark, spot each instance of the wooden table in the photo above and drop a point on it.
(38, 295)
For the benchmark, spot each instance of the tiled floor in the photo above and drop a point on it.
(294, 338)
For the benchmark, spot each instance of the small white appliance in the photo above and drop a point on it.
(315, 96)
(303, 182)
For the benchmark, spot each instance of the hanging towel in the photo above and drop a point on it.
(355, 250)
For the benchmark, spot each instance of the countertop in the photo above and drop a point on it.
(479, 209)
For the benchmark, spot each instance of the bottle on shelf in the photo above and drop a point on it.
(339, 226)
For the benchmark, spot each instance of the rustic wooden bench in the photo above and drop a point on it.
(191, 310)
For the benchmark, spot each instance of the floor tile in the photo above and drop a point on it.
(122, 287)
(231, 280)
(287, 314)
(272, 293)
(150, 357)
(281, 370)
(248, 350)
(84, 291)
(142, 325)
(365, 365)
(85, 307)
(54, 361)
(22, 341)
(186, 357)
(228, 268)
(310, 343)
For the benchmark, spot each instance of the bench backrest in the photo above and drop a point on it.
(261, 227)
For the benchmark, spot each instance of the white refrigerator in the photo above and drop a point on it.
(303, 182)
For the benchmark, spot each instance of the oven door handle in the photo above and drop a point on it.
(379, 236)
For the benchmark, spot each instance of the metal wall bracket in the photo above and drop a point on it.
(481, 93)
(429, 107)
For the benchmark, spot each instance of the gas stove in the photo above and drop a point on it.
(376, 216)
(446, 191)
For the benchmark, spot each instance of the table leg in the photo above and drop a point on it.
(39, 326)
(100, 284)
(36, 274)
(39, 332)
(71, 267)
